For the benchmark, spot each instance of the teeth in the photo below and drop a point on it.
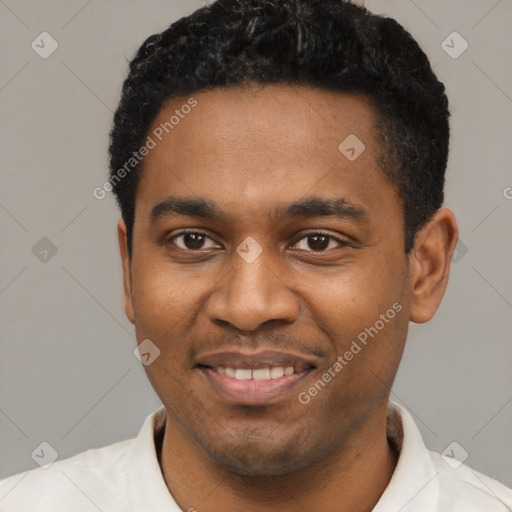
(258, 374)
(242, 374)
(261, 374)
(277, 372)
(230, 372)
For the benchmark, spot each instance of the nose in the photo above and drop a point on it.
(250, 295)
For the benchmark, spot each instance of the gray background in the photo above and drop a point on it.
(68, 374)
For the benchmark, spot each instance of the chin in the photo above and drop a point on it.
(256, 464)
(264, 457)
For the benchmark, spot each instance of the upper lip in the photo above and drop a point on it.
(254, 360)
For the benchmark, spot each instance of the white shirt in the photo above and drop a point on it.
(126, 476)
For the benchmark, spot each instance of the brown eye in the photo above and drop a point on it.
(318, 242)
(193, 241)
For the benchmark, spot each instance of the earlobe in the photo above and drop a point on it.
(429, 264)
(126, 264)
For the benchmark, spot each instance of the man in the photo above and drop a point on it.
(279, 166)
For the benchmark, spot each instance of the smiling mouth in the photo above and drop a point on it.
(265, 373)
(254, 379)
(254, 386)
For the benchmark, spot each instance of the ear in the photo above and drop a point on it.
(429, 264)
(127, 274)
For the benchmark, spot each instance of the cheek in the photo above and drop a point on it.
(161, 293)
(363, 311)
(353, 298)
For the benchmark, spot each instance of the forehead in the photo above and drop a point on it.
(248, 147)
(273, 115)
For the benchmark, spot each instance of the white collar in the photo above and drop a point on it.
(414, 472)
(421, 482)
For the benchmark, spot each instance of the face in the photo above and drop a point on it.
(262, 256)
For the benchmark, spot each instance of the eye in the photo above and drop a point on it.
(193, 241)
(318, 242)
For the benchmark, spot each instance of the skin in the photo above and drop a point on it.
(250, 150)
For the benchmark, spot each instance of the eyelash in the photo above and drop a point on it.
(341, 242)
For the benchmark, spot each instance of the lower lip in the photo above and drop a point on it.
(250, 391)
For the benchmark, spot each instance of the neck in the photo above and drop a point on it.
(353, 479)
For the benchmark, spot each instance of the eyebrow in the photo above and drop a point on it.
(304, 208)
(172, 206)
(321, 207)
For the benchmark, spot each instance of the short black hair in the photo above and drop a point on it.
(334, 45)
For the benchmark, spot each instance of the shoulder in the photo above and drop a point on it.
(83, 482)
(426, 481)
(462, 488)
